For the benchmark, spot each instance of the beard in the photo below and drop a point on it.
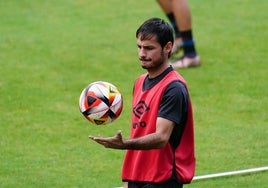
(153, 64)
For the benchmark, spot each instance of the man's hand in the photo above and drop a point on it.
(115, 142)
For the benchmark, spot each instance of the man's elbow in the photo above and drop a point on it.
(162, 143)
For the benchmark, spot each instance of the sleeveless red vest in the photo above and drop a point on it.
(157, 165)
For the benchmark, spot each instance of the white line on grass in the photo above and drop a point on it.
(231, 173)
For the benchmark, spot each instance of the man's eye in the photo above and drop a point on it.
(149, 48)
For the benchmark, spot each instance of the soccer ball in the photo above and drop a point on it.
(101, 102)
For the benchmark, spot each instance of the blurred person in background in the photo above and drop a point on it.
(179, 15)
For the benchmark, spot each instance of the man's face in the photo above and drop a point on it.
(151, 54)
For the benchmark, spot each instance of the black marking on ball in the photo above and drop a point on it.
(105, 100)
(112, 114)
(90, 100)
(86, 112)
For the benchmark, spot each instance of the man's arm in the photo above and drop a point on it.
(155, 140)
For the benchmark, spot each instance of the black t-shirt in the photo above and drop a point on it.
(174, 104)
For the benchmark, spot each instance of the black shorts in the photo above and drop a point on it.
(167, 184)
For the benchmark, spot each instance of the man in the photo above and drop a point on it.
(179, 15)
(160, 150)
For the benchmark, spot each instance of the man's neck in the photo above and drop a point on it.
(156, 72)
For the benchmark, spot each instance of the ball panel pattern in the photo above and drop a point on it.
(101, 103)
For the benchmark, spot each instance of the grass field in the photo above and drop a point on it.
(50, 50)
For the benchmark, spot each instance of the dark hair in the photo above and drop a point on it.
(156, 27)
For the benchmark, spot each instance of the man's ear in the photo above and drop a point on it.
(168, 47)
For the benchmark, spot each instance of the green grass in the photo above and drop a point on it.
(50, 50)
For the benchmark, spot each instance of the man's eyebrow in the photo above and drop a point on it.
(145, 46)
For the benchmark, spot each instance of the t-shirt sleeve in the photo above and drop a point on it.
(174, 103)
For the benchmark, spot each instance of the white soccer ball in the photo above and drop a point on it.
(101, 103)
